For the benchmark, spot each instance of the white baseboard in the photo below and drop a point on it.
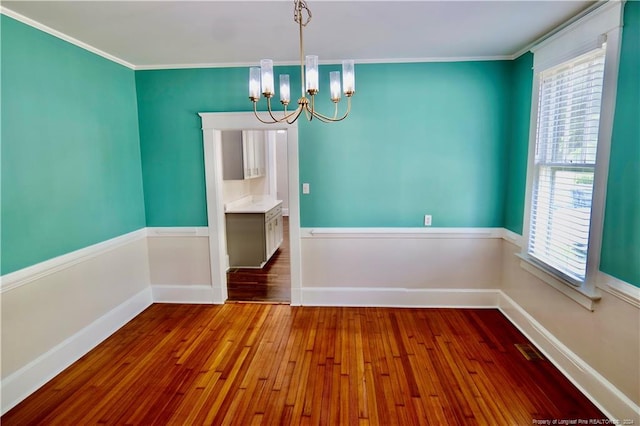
(182, 293)
(296, 296)
(609, 399)
(32, 376)
(399, 297)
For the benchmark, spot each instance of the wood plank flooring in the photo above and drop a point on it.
(269, 284)
(270, 364)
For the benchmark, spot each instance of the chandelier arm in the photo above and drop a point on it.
(273, 119)
(308, 113)
(270, 112)
(255, 112)
(284, 118)
(326, 119)
(298, 111)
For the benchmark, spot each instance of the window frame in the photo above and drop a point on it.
(603, 24)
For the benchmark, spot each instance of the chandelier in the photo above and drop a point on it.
(262, 76)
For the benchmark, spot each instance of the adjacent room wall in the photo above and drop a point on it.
(621, 236)
(74, 268)
(71, 173)
(517, 142)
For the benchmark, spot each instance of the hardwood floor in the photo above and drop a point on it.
(269, 284)
(276, 364)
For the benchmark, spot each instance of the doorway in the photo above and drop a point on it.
(271, 282)
(212, 126)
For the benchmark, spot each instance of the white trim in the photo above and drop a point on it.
(401, 232)
(196, 294)
(512, 237)
(32, 376)
(620, 289)
(62, 36)
(329, 62)
(580, 295)
(590, 28)
(612, 285)
(212, 125)
(183, 293)
(179, 231)
(39, 270)
(609, 399)
(399, 297)
(579, 36)
(556, 30)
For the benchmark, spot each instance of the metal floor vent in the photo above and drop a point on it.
(529, 351)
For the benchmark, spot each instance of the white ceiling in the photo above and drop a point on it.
(156, 34)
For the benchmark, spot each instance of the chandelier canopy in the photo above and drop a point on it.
(262, 77)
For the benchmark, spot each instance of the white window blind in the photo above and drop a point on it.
(565, 157)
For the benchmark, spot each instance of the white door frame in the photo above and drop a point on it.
(212, 125)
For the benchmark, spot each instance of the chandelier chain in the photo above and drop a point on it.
(298, 7)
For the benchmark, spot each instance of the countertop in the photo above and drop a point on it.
(251, 204)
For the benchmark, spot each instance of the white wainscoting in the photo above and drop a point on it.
(179, 266)
(598, 351)
(400, 297)
(613, 403)
(56, 311)
(401, 266)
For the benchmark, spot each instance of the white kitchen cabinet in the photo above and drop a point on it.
(243, 154)
(253, 148)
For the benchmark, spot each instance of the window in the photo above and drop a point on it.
(575, 78)
(565, 157)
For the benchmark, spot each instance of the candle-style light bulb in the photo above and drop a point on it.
(254, 83)
(285, 91)
(266, 68)
(311, 76)
(334, 84)
(348, 77)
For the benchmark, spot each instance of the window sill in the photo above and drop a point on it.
(580, 295)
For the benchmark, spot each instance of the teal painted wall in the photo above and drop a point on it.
(422, 138)
(621, 237)
(70, 148)
(517, 143)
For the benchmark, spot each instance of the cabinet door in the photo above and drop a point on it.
(248, 153)
(259, 154)
(269, 238)
(232, 156)
(246, 239)
(279, 231)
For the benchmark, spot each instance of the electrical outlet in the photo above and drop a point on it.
(427, 220)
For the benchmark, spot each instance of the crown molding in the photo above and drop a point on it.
(328, 62)
(561, 27)
(37, 25)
